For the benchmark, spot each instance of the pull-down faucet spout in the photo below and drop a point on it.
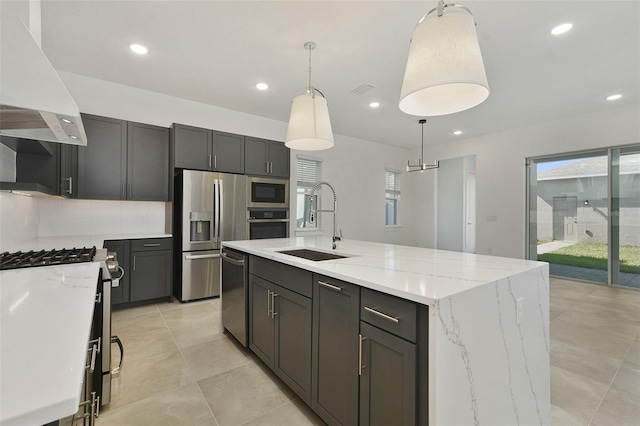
(312, 211)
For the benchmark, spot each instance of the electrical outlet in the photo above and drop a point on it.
(519, 309)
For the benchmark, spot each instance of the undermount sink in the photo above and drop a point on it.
(316, 256)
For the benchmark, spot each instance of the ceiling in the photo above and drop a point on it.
(216, 51)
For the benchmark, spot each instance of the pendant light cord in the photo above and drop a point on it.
(310, 88)
(422, 152)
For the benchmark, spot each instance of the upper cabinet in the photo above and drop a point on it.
(202, 149)
(123, 161)
(266, 158)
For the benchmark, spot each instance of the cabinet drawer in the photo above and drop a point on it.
(286, 276)
(151, 244)
(390, 313)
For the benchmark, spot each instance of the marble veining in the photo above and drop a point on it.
(524, 352)
(507, 355)
(454, 337)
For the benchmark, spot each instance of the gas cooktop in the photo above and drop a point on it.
(32, 258)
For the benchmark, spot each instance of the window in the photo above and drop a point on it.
(309, 173)
(392, 198)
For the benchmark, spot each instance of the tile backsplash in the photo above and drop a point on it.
(18, 219)
(7, 164)
(57, 217)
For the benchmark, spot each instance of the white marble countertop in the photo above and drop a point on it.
(50, 243)
(45, 321)
(418, 274)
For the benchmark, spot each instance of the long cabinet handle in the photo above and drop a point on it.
(267, 167)
(152, 245)
(273, 304)
(215, 161)
(382, 315)
(209, 160)
(124, 195)
(269, 303)
(331, 286)
(360, 366)
(130, 196)
(134, 264)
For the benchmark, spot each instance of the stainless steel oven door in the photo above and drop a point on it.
(268, 193)
(259, 229)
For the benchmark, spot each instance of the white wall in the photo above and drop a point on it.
(18, 220)
(356, 169)
(501, 174)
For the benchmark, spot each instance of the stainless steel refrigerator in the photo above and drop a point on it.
(209, 208)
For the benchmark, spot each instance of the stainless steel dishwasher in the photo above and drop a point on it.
(234, 294)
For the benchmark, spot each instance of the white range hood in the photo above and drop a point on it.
(34, 102)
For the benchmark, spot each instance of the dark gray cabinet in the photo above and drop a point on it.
(266, 158)
(120, 294)
(148, 265)
(196, 148)
(123, 161)
(147, 162)
(68, 176)
(280, 317)
(102, 172)
(388, 378)
(336, 321)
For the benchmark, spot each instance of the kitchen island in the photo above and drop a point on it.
(482, 339)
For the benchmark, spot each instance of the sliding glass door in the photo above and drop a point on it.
(584, 215)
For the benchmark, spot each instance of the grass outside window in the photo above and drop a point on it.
(594, 256)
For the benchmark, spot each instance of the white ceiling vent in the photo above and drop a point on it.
(361, 90)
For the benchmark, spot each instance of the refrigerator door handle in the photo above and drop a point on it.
(216, 223)
(220, 210)
(200, 256)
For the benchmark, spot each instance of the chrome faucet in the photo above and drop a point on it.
(335, 208)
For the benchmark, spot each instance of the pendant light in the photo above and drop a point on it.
(445, 72)
(309, 124)
(421, 167)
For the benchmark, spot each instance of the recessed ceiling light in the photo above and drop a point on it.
(614, 97)
(262, 86)
(73, 137)
(139, 49)
(374, 104)
(66, 120)
(457, 132)
(560, 29)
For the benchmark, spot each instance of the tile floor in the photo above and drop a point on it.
(181, 370)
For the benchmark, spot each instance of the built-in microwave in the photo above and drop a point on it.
(267, 192)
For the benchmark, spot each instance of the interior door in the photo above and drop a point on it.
(470, 213)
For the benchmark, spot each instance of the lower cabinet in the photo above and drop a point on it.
(148, 266)
(336, 321)
(280, 333)
(388, 378)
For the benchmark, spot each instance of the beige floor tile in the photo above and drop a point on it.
(596, 341)
(126, 324)
(618, 409)
(176, 304)
(293, 413)
(580, 361)
(145, 344)
(212, 358)
(195, 324)
(576, 394)
(633, 357)
(561, 417)
(606, 324)
(184, 406)
(609, 309)
(133, 312)
(617, 293)
(628, 380)
(243, 394)
(144, 377)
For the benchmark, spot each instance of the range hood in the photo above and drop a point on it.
(34, 102)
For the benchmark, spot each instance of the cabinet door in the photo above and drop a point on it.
(68, 170)
(120, 294)
(261, 321)
(279, 158)
(228, 152)
(293, 341)
(336, 320)
(151, 275)
(192, 147)
(102, 163)
(255, 156)
(147, 162)
(388, 380)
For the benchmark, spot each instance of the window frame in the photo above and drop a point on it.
(307, 191)
(395, 194)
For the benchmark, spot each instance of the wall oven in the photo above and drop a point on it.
(267, 193)
(264, 223)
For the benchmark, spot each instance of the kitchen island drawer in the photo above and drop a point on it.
(390, 313)
(151, 244)
(289, 277)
